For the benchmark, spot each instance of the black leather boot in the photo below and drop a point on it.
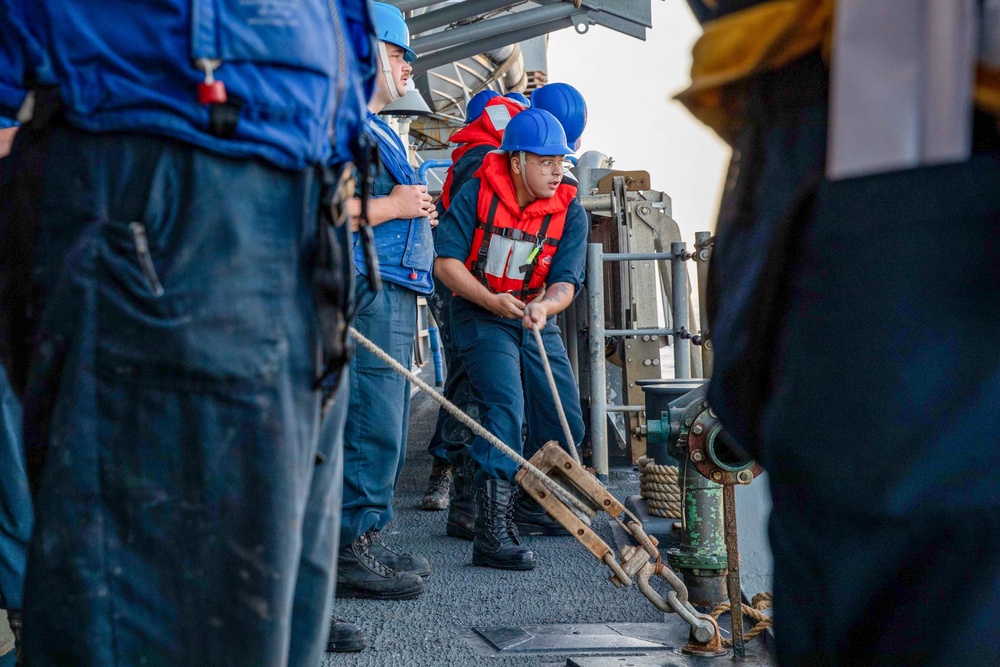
(462, 509)
(345, 637)
(361, 575)
(398, 560)
(497, 544)
(531, 519)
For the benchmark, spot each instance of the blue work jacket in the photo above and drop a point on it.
(405, 247)
(23, 62)
(295, 73)
(11, 70)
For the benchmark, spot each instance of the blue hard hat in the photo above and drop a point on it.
(519, 98)
(474, 109)
(535, 131)
(390, 27)
(565, 103)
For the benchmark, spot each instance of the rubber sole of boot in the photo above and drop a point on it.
(365, 594)
(423, 574)
(351, 645)
(485, 561)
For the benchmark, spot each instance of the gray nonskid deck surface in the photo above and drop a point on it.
(568, 586)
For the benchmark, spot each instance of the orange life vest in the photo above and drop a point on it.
(512, 249)
(487, 130)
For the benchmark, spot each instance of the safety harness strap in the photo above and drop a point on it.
(520, 235)
(529, 268)
(479, 270)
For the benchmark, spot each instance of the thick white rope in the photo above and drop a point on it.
(567, 433)
(476, 427)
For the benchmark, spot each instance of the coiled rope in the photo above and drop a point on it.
(658, 485)
(754, 610)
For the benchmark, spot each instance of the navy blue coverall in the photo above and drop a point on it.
(376, 431)
(502, 357)
(451, 437)
(185, 505)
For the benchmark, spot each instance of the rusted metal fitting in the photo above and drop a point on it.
(649, 544)
(708, 448)
(633, 560)
(710, 649)
(618, 577)
(678, 595)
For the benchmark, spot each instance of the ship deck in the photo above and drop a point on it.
(563, 613)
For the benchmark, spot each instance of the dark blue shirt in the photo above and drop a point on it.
(458, 226)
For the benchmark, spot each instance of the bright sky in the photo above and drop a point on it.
(628, 85)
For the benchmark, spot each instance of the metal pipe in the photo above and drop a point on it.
(636, 256)
(475, 32)
(429, 61)
(701, 554)
(611, 333)
(410, 5)
(593, 202)
(452, 14)
(704, 257)
(595, 348)
(733, 579)
(625, 408)
(428, 165)
(679, 308)
(572, 337)
(432, 333)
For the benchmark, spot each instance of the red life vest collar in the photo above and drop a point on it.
(487, 130)
(495, 172)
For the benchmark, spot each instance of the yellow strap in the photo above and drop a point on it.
(754, 40)
(987, 95)
(763, 38)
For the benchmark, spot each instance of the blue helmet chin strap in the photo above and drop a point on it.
(524, 173)
(390, 82)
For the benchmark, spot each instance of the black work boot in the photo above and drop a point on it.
(396, 559)
(462, 510)
(532, 519)
(345, 637)
(497, 544)
(361, 575)
(438, 485)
